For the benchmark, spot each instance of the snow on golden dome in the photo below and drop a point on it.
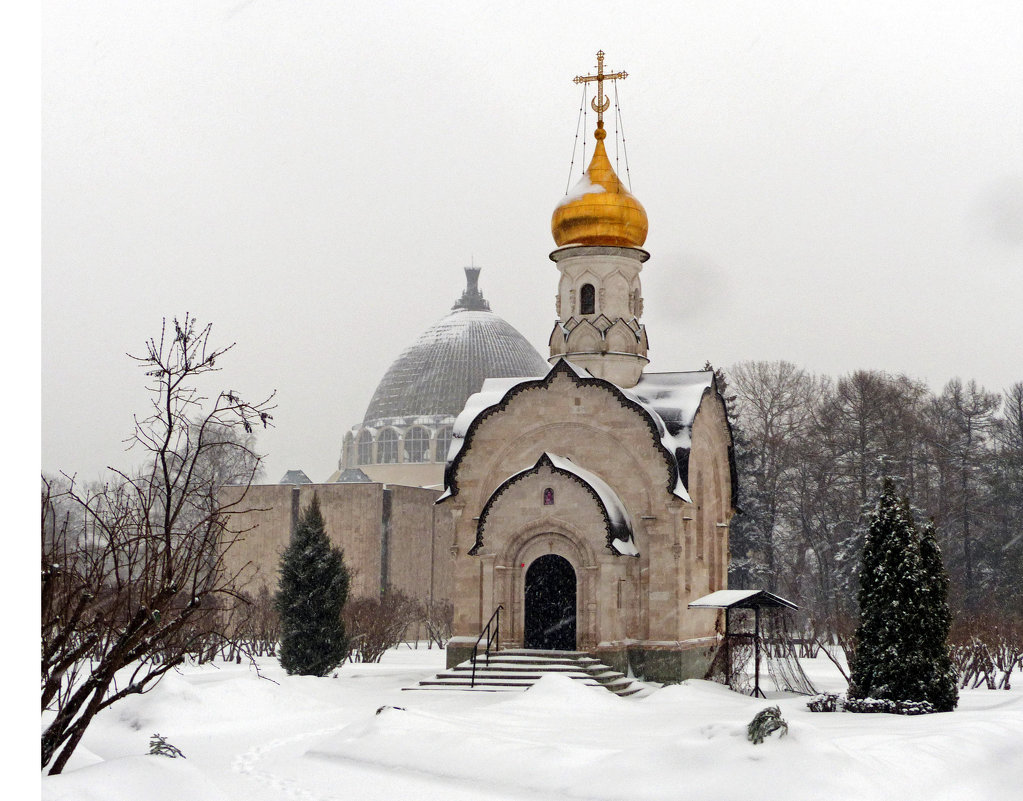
(599, 210)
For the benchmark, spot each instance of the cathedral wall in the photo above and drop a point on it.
(586, 423)
(410, 564)
(358, 518)
(256, 554)
(443, 573)
(353, 516)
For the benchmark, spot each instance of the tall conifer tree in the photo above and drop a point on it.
(943, 689)
(901, 648)
(313, 590)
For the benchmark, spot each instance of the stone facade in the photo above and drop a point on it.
(630, 610)
(394, 537)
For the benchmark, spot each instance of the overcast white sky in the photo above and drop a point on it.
(836, 184)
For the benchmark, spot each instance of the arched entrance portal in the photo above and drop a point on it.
(550, 604)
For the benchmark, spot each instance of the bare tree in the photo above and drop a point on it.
(776, 402)
(964, 418)
(133, 573)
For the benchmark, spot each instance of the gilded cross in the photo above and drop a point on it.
(600, 104)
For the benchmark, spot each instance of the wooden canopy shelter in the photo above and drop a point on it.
(745, 599)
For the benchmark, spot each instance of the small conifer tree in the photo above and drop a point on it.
(901, 641)
(313, 590)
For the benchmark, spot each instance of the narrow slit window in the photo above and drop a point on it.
(587, 299)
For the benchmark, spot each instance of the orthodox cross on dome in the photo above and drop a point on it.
(600, 104)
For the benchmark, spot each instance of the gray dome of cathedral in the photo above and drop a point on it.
(409, 417)
(449, 362)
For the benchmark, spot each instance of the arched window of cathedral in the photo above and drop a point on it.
(548, 497)
(387, 446)
(417, 445)
(365, 447)
(443, 443)
(587, 299)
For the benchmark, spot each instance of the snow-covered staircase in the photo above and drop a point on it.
(519, 669)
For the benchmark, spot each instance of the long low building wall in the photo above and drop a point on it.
(394, 537)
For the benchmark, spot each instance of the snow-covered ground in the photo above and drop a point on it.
(307, 738)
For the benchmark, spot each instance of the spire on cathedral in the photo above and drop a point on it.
(599, 210)
(472, 299)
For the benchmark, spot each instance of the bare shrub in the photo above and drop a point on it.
(258, 627)
(376, 624)
(986, 649)
(437, 619)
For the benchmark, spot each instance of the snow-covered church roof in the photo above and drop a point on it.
(670, 401)
(619, 522)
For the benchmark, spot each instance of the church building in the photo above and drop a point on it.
(587, 498)
(593, 504)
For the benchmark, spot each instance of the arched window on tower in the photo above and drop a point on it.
(387, 446)
(443, 443)
(587, 299)
(417, 445)
(365, 447)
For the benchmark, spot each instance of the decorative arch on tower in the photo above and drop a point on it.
(619, 337)
(584, 338)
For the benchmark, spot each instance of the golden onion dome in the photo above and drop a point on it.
(599, 210)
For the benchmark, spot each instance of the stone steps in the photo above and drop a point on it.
(519, 669)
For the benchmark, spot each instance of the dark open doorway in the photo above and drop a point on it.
(550, 604)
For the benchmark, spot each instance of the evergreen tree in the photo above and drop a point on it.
(901, 650)
(313, 590)
(942, 690)
(889, 577)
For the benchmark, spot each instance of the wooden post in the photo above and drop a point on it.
(756, 652)
(728, 648)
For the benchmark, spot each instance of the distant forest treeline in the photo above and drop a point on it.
(808, 453)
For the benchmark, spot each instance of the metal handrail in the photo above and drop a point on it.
(492, 637)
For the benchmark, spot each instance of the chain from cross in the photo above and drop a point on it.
(600, 104)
